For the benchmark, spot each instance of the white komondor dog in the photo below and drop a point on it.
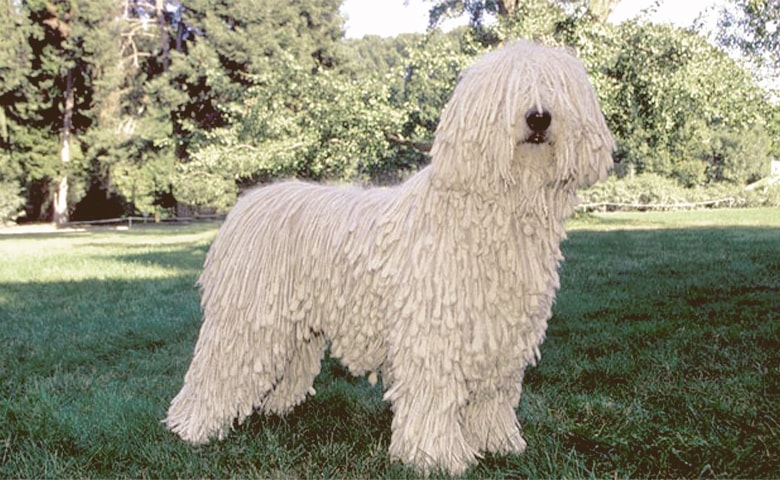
(444, 283)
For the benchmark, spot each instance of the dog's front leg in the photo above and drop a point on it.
(490, 423)
(426, 428)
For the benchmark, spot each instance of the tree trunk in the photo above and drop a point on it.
(61, 213)
(165, 42)
(601, 9)
(506, 8)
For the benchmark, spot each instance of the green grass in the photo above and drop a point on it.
(662, 360)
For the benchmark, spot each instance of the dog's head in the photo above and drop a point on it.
(522, 118)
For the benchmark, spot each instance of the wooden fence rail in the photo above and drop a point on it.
(130, 221)
(611, 206)
(585, 207)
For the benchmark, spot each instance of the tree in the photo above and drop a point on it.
(53, 107)
(674, 102)
(377, 57)
(218, 48)
(511, 12)
(15, 58)
(295, 123)
(183, 65)
(74, 45)
(752, 27)
(429, 75)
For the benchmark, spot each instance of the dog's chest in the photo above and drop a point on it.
(469, 263)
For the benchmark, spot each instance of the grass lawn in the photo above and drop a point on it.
(662, 360)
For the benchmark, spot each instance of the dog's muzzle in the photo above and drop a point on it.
(538, 122)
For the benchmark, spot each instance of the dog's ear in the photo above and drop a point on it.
(594, 157)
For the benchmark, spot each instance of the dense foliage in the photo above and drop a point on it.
(147, 106)
(654, 192)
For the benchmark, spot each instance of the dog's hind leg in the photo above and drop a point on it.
(222, 385)
(297, 375)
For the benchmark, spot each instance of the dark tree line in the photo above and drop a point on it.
(115, 107)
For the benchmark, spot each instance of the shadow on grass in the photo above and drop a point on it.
(87, 367)
(186, 260)
(56, 326)
(662, 359)
(663, 355)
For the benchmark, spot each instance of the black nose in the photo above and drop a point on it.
(538, 121)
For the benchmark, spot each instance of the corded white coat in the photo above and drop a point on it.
(444, 283)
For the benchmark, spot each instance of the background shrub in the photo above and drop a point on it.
(11, 202)
(651, 191)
